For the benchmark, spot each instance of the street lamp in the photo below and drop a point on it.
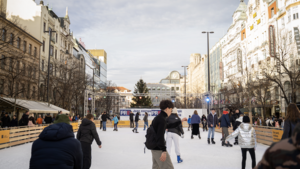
(184, 85)
(208, 66)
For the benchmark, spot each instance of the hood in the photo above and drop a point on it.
(56, 132)
(246, 126)
(225, 112)
(86, 122)
(240, 119)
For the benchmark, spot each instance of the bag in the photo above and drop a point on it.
(151, 138)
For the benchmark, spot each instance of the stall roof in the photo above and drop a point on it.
(34, 106)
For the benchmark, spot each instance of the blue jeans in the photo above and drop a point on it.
(104, 125)
(136, 126)
(211, 130)
(146, 124)
(116, 126)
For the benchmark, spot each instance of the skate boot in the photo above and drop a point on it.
(208, 141)
(229, 145)
(212, 141)
(199, 136)
(133, 130)
(192, 137)
(236, 143)
(179, 160)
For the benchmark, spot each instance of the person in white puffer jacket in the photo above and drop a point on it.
(247, 140)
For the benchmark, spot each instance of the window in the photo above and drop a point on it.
(19, 43)
(43, 65)
(17, 89)
(24, 69)
(35, 52)
(272, 12)
(24, 46)
(30, 47)
(1, 86)
(177, 88)
(18, 67)
(51, 69)
(51, 50)
(23, 89)
(296, 16)
(163, 89)
(55, 71)
(3, 34)
(11, 39)
(153, 88)
(29, 71)
(2, 62)
(28, 90)
(43, 46)
(44, 26)
(172, 88)
(289, 16)
(34, 73)
(56, 38)
(55, 53)
(33, 92)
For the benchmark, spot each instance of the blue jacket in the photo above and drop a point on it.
(225, 121)
(115, 119)
(56, 148)
(195, 119)
(189, 121)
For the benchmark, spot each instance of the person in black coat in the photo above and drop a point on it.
(104, 118)
(137, 118)
(131, 115)
(86, 134)
(24, 120)
(48, 119)
(5, 121)
(212, 122)
(56, 147)
(14, 122)
(292, 118)
(204, 122)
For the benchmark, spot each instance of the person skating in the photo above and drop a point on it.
(131, 115)
(247, 140)
(195, 121)
(104, 120)
(292, 118)
(189, 123)
(137, 118)
(212, 122)
(145, 121)
(237, 123)
(99, 118)
(160, 157)
(174, 133)
(116, 121)
(225, 124)
(86, 134)
(56, 147)
(204, 122)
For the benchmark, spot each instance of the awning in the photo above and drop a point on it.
(33, 106)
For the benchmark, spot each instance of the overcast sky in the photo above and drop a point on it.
(146, 38)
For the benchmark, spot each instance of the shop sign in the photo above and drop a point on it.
(4, 136)
(277, 135)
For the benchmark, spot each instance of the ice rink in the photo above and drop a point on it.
(125, 150)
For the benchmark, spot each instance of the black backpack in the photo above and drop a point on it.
(151, 138)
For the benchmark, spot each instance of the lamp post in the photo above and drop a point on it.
(185, 85)
(208, 80)
(50, 35)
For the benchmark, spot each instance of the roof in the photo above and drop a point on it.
(242, 7)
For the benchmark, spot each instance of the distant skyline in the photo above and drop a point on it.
(144, 38)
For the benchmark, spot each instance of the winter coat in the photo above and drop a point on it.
(225, 121)
(288, 128)
(137, 117)
(189, 121)
(284, 154)
(203, 118)
(237, 123)
(260, 122)
(234, 117)
(39, 121)
(105, 117)
(145, 118)
(48, 119)
(99, 118)
(14, 123)
(24, 120)
(87, 132)
(30, 123)
(115, 119)
(195, 119)
(212, 120)
(5, 121)
(247, 136)
(131, 116)
(56, 148)
(174, 119)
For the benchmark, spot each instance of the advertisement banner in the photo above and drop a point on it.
(4, 136)
(277, 135)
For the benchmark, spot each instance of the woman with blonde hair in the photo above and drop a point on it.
(195, 121)
(291, 120)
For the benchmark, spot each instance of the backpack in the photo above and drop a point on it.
(151, 138)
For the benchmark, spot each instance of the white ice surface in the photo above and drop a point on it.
(125, 150)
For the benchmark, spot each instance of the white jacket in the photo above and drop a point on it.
(247, 136)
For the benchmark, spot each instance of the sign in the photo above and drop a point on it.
(75, 126)
(4, 136)
(277, 135)
(272, 41)
(297, 39)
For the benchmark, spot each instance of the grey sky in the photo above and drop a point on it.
(147, 38)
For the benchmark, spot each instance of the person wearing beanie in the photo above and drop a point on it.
(174, 133)
(56, 147)
(247, 140)
(86, 134)
(225, 124)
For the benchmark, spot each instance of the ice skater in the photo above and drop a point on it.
(189, 122)
(225, 124)
(195, 121)
(174, 133)
(145, 121)
(212, 121)
(247, 140)
(116, 121)
(204, 122)
(137, 118)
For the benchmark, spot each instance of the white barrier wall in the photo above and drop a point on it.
(124, 113)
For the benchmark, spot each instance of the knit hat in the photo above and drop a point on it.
(246, 119)
(175, 110)
(225, 112)
(62, 118)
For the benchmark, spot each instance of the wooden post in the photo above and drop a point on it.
(250, 116)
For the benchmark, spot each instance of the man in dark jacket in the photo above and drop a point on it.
(160, 158)
(104, 118)
(225, 124)
(131, 120)
(284, 154)
(48, 119)
(86, 135)
(235, 116)
(5, 121)
(56, 147)
(24, 120)
(212, 121)
(137, 118)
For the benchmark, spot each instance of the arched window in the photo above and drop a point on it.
(42, 91)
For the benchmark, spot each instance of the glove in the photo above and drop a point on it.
(182, 136)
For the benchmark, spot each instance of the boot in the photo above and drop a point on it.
(192, 137)
(179, 160)
(208, 141)
(229, 145)
(236, 142)
(116, 129)
(199, 136)
(212, 141)
(133, 130)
